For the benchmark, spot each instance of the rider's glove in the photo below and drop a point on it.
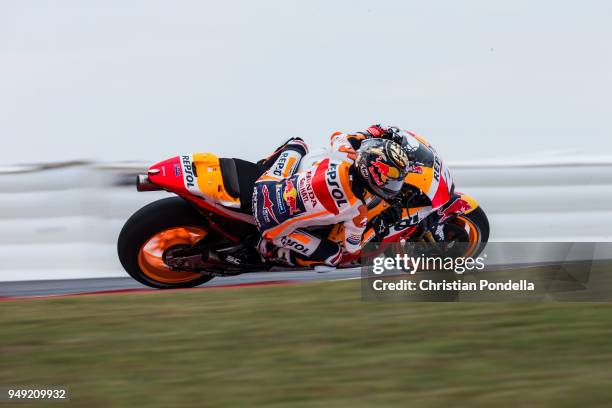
(386, 132)
(387, 219)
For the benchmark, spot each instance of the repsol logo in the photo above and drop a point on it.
(334, 185)
(436, 168)
(280, 164)
(188, 174)
(294, 245)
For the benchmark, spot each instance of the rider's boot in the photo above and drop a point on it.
(270, 253)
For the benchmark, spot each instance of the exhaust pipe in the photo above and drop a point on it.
(144, 184)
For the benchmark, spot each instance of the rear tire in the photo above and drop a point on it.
(172, 213)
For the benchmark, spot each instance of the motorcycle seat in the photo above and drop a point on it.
(239, 177)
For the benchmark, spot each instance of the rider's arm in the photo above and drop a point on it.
(343, 143)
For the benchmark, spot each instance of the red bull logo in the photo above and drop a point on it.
(383, 172)
(290, 197)
(382, 167)
(458, 207)
(415, 169)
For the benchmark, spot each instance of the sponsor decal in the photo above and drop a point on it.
(327, 188)
(279, 198)
(335, 188)
(294, 245)
(363, 169)
(280, 164)
(306, 191)
(266, 218)
(177, 170)
(290, 197)
(457, 207)
(415, 169)
(436, 168)
(255, 194)
(268, 205)
(380, 172)
(188, 173)
(406, 222)
(232, 259)
(353, 239)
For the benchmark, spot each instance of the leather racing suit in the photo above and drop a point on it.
(326, 193)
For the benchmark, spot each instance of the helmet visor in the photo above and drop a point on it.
(391, 188)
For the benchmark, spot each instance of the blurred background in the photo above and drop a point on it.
(515, 96)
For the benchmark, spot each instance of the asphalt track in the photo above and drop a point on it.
(47, 288)
(70, 287)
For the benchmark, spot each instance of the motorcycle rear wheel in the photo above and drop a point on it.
(154, 230)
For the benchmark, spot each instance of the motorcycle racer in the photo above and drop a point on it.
(210, 229)
(428, 191)
(329, 192)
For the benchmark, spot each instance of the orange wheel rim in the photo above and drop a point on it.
(150, 256)
(472, 232)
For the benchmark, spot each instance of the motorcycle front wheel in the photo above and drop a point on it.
(470, 229)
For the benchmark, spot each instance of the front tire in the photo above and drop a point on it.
(155, 229)
(471, 229)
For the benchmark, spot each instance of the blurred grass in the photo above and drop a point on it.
(307, 345)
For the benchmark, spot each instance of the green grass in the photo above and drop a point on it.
(307, 345)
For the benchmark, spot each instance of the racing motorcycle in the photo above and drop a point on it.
(207, 230)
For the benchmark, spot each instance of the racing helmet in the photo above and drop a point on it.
(383, 165)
